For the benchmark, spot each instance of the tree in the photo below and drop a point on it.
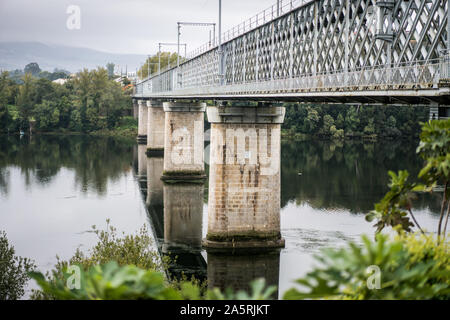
(340, 121)
(4, 93)
(25, 100)
(328, 122)
(13, 271)
(82, 86)
(370, 128)
(110, 67)
(311, 121)
(152, 63)
(395, 209)
(32, 68)
(351, 120)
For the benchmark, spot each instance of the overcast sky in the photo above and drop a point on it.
(120, 26)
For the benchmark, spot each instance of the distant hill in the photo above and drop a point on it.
(16, 55)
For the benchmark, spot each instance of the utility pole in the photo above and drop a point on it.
(159, 60)
(195, 24)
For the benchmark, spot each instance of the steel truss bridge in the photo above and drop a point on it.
(328, 51)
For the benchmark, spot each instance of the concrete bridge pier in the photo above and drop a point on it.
(183, 142)
(155, 129)
(135, 109)
(142, 122)
(244, 177)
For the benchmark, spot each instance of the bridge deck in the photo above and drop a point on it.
(350, 51)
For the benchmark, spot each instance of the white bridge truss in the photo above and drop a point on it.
(323, 50)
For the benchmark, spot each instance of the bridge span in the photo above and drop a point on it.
(324, 51)
(360, 51)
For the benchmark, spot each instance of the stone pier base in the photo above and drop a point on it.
(135, 109)
(244, 177)
(155, 134)
(142, 122)
(183, 142)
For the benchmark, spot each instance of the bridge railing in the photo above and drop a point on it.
(263, 17)
(305, 37)
(445, 64)
(412, 75)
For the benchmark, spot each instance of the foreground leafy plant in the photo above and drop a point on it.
(411, 267)
(126, 250)
(113, 282)
(13, 271)
(395, 209)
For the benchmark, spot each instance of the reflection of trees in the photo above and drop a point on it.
(350, 175)
(95, 160)
(4, 180)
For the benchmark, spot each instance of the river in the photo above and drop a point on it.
(54, 188)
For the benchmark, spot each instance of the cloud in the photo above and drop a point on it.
(121, 26)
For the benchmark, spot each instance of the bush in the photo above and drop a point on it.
(412, 267)
(127, 250)
(112, 282)
(13, 271)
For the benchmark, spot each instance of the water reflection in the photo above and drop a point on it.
(41, 158)
(237, 270)
(175, 213)
(349, 175)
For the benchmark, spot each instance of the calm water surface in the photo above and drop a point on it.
(53, 189)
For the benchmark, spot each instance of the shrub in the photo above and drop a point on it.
(113, 282)
(13, 271)
(411, 267)
(127, 250)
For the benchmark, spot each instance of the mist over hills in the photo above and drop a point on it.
(16, 55)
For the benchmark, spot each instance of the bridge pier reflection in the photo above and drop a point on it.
(183, 213)
(142, 166)
(175, 213)
(237, 270)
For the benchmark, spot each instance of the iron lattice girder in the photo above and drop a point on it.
(325, 37)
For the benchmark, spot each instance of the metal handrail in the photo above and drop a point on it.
(413, 73)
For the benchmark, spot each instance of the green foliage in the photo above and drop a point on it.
(259, 291)
(370, 121)
(32, 68)
(133, 250)
(152, 63)
(113, 282)
(393, 209)
(434, 147)
(127, 268)
(5, 117)
(13, 271)
(412, 267)
(25, 100)
(89, 102)
(110, 67)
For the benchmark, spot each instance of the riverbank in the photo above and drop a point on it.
(288, 135)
